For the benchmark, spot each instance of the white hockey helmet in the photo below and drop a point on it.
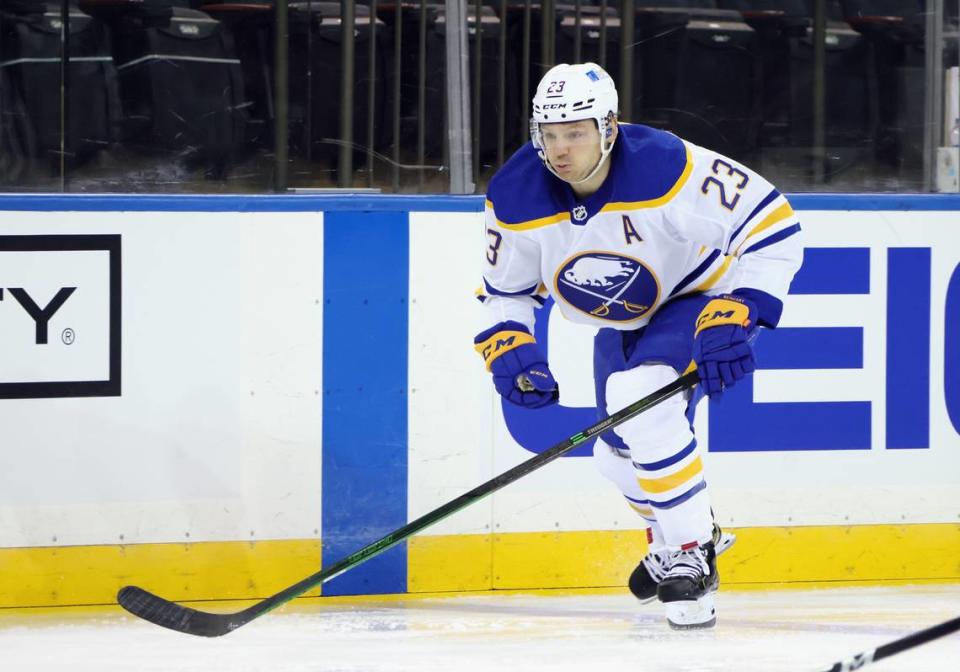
(573, 93)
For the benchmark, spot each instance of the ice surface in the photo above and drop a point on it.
(783, 630)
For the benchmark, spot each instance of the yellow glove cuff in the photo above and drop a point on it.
(501, 342)
(723, 311)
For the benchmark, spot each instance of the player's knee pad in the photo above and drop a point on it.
(617, 468)
(658, 432)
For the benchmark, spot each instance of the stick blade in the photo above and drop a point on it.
(144, 604)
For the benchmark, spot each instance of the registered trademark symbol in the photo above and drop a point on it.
(68, 337)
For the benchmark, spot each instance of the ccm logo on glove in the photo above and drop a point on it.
(501, 342)
(724, 310)
(722, 342)
(519, 369)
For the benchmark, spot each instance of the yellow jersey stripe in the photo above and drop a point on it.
(775, 217)
(665, 483)
(715, 276)
(536, 223)
(655, 202)
(609, 207)
(532, 223)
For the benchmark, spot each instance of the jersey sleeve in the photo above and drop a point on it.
(512, 287)
(738, 214)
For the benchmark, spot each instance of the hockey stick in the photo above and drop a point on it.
(898, 646)
(150, 607)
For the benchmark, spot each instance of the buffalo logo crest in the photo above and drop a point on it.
(608, 286)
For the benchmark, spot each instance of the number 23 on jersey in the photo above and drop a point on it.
(729, 183)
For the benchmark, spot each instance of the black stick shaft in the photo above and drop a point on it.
(184, 619)
(897, 646)
(380, 545)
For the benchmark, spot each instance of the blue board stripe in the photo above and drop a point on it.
(875, 202)
(951, 354)
(776, 426)
(908, 347)
(241, 203)
(365, 326)
(400, 202)
(833, 270)
(811, 348)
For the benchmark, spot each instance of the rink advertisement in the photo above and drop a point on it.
(60, 316)
(300, 369)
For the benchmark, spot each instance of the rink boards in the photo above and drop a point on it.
(237, 389)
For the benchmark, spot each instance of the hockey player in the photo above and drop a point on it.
(678, 255)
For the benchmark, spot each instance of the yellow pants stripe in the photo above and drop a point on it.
(642, 510)
(665, 483)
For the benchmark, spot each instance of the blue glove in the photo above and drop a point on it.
(722, 342)
(520, 371)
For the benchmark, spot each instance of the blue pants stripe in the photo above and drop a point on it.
(666, 462)
(679, 499)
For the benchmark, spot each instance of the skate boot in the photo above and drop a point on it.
(688, 586)
(648, 574)
(651, 570)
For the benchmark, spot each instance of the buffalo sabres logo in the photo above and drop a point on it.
(608, 286)
(580, 213)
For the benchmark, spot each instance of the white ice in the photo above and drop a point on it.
(782, 630)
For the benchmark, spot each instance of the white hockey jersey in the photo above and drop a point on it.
(670, 219)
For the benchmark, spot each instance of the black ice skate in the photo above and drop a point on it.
(651, 570)
(648, 574)
(687, 589)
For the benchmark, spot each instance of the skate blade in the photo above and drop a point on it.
(726, 540)
(692, 614)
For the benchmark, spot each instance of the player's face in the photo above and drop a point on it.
(573, 148)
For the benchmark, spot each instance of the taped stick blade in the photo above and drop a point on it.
(150, 607)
